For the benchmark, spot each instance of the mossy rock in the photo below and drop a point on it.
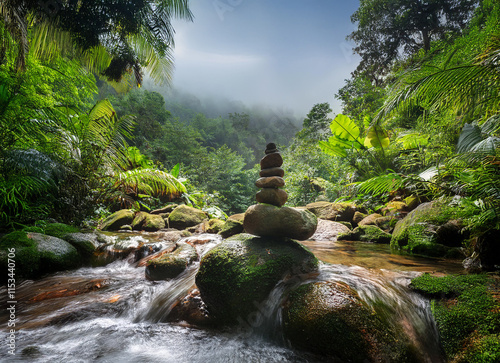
(59, 230)
(171, 265)
(231, 227)
(85, 243)
(237, 217)
(214, 225)
(27, 256)
(239, 273)
(270, 221)
(184, 216)
(114, 221)
(329, 318)
(418, 233)
(36, 253)
(466, 309)
(55, 253)
(373, 234)
(148, 222)
(358, 217)
(333, 211)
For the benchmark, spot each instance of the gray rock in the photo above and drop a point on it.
(268, 220)
(277, 197)
(328, 230)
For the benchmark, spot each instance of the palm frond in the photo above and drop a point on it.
(382, 184)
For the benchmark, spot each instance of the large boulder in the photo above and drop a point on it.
(267, 220)
(170, 265)
(114, 221)
(85, 243)
(369, 219)
(148, 222)
(328, 230)
(430, 229)
(184, 216)
(333, 211)
(329, 318)
(36, 253)
(238, 274)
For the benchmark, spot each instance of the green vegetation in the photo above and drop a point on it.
(466, 313)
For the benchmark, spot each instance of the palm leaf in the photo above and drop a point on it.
(382, 184)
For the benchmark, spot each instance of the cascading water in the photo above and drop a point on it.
(113, 314)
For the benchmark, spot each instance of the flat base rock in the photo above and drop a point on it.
(268, 220)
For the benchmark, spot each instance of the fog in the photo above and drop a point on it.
(284, 54)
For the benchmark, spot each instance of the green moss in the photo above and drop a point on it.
(59, 230)
(242, 271)
(371, 233)
(27, 256)
(465, 311)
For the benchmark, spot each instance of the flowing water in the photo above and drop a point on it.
(113, 314)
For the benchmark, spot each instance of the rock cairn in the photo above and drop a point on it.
(271, 178)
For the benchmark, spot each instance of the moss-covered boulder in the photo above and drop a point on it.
(332, 211)
(114, 221)
(184, 216)
(358, 217)
(59, 230)
(239, 273)
(85, 243)
(231, 227)
(171, 265)
(395, 208)
(270, 221)
(148, 222)
(367, 233)
(466, 309)
(55, 253)
(329, 318)
(214, 225)
(23, 250)
(423, 231)
(36, 253)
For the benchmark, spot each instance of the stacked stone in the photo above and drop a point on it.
(271, 178)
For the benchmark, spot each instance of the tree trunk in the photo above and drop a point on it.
(427, 40)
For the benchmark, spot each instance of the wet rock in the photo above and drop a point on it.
(276, 197)
(231, 227)
(328, 230)
(272, 172)
(273, 160)
(147, 222)
(332, 211)
(85, 243)
(358, 217)
(329, 318)
(417, 232)
(165, 210)
(366, 233)
(369, 220)
(184, 216)
(268, 220)
(242, 270)
(192, 310)
(270, 182)
(237, 217)
(214, 225)
(171, 265)
(148, 249)
(117, 219)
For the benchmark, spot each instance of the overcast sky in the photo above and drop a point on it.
(283, 53)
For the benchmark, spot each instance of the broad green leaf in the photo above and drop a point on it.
(345, 128)
(413, 141)
(377, 137)
(176, 170)
(332, 149)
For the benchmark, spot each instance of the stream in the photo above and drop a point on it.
(122, 317)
